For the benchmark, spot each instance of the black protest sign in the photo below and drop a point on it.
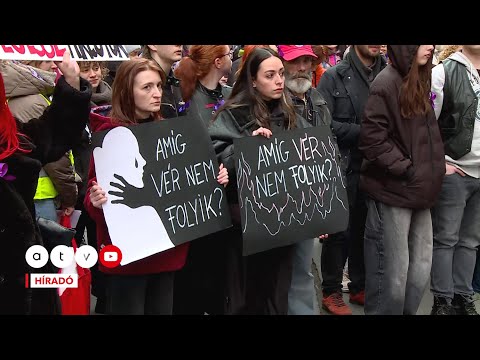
(179, 177)
(290, 188)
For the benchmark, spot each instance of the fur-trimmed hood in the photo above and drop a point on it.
(100, 119)
(22, 80)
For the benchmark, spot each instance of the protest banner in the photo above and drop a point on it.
(290, 188)
(55, 52)
(161, 186)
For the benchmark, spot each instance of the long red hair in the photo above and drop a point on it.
(9, 142)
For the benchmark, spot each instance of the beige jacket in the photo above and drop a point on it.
(23, 86)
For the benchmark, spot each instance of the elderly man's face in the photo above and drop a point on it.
(298, 74)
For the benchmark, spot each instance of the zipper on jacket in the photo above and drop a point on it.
(89, 133)
(173, 107)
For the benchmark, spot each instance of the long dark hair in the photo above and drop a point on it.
(244, 94)
(415, 90)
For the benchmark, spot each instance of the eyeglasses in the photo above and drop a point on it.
(230, 54)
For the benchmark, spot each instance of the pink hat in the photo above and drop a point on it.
(290, 52)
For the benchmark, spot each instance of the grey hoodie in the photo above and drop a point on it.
(469, 163)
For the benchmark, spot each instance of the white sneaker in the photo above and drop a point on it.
(345, 281)
(476, 297)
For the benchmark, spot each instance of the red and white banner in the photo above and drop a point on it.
(55, 52)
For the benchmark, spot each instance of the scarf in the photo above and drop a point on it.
(103, 94)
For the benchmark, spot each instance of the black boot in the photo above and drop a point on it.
(464, 305)
(441, 306)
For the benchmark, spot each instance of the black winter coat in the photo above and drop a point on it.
(229, 125)
(232, 124)
(171, 98)
(48, 137)
(204, 102)
(340, 86)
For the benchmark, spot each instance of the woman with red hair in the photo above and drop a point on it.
(198, 283)
(24, 148)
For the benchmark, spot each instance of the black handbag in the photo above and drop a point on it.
(54, 234)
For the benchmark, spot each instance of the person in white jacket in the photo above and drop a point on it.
(456, 214)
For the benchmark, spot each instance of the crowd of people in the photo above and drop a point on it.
(406, 124)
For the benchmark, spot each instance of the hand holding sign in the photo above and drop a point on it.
(222, 177)
(263, 131)
(290, 188)
(70, 70)
(128, 195)
(97, 195)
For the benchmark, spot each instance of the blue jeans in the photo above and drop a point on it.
(302, 291)
(46, 209)
(398, 258)
(456, 236)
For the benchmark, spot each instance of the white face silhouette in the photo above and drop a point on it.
(127, 162)
(120, 154)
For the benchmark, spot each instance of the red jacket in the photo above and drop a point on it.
(317, 75)
(168, 260)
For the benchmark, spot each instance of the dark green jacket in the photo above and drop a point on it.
(457, 119)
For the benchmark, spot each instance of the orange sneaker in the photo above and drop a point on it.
(358, 298)
(335, 305)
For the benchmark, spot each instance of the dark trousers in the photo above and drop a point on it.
(347, 244)
(140, 294)
(268, 279)
(199, 285)
(218, 279)
(85, 222)
(16, 300)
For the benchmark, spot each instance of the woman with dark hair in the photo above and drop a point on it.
(144, 286)
(258, 283)
(24, 148)
(402, 174)
(238, 62)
